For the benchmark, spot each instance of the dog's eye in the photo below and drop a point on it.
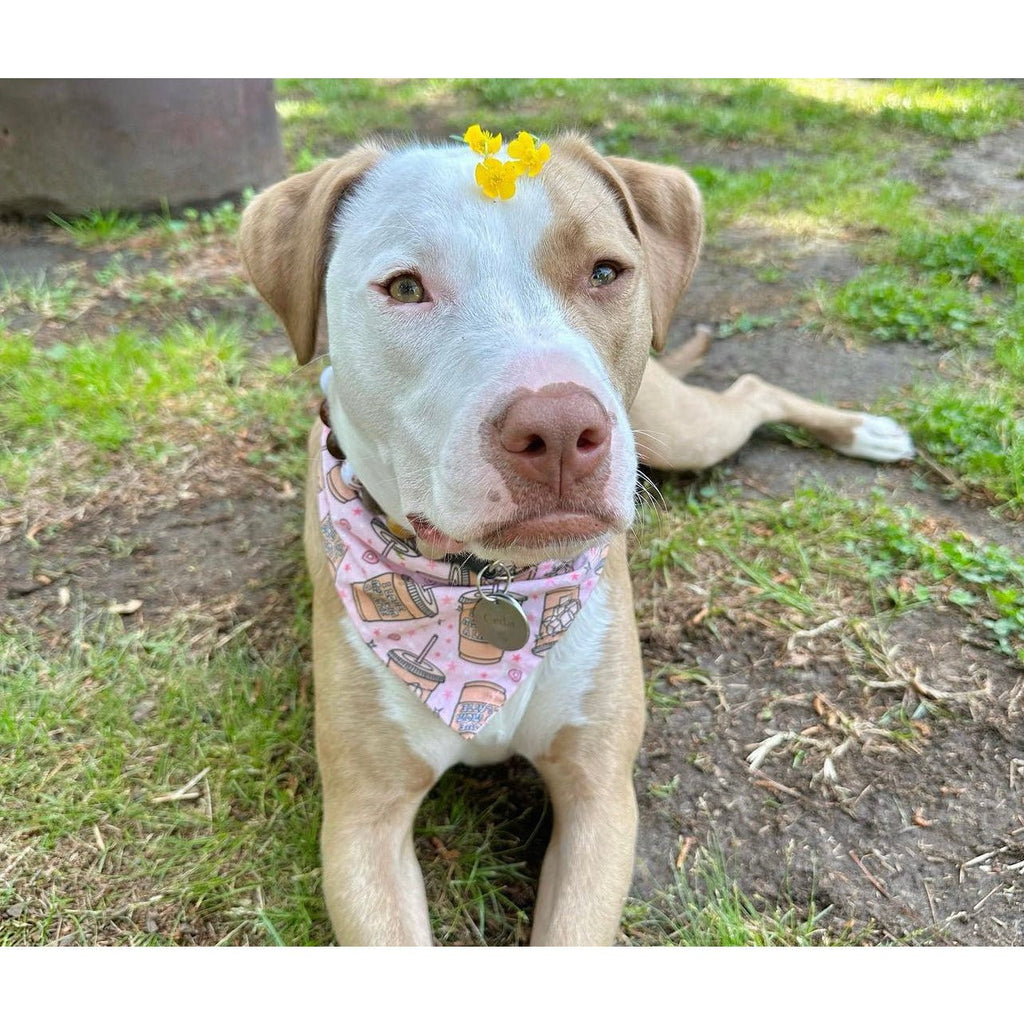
(406, 288)
(603, 274)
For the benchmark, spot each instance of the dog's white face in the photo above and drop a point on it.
(485, 353)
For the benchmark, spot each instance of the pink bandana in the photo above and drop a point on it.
(416, 614)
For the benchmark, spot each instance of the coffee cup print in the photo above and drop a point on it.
(460, 575)
(402, 546)
(337, 485)
(420, 675)
(334, 546)
(560, 608)
(477, 702)
(393, 597)
(472, 644)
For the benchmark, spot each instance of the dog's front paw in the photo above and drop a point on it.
(879, 439)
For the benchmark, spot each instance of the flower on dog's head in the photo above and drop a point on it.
(496, 177)
(531, 157)
(480, 141)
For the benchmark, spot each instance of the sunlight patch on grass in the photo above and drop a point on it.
(144, 396)
(947, 108)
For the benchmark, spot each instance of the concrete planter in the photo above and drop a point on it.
(67, 146)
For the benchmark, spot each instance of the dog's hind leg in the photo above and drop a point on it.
(680, 427)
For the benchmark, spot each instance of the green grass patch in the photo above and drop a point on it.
(974, 425)
(954, 109)
(706, 907)
(891, 304)
(990, 249)
(474, 838)
(144, 393)
(107, 228)
(46, 296)
(100, 227)
(97, 731)
(834, 195)
(798, 559)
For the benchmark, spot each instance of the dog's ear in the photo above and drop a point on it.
(284, 236)
(671, 230)
(664, 210)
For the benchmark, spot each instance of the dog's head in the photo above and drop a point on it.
(484, 353)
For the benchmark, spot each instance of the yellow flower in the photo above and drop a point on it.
(497, 178)
(523, 148)
(480, 141)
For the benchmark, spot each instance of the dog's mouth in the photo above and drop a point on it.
(555, 531)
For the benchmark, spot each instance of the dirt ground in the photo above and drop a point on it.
(924, 844)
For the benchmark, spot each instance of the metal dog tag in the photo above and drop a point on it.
(501, 621)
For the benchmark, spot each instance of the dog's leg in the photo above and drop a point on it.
(371, 878)
(588, 771)
(689, 428)
(372, 788)
(589, 862)
(372, 782)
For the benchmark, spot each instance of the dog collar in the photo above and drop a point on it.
(419, 615)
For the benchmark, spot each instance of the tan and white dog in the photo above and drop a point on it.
(492, 390)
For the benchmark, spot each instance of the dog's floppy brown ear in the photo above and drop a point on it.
(671, 229)
(284, 237)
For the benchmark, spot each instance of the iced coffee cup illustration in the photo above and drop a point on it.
(460, 575)
(477, 702)
(473, 646)
(403, 547)
(560, 608)
(334, 547)
(391, 597)
(420, 675)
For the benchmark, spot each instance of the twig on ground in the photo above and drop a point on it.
(984, 899)
(184, 792)
(870, 877)
(806, 634)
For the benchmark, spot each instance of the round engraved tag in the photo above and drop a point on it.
(502, 622)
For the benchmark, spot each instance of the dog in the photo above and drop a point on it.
(490, 394)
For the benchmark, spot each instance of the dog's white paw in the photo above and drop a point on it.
(879, 439)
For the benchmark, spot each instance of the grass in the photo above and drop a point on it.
(106, 228)
(130, 390)
(706, 907)
(958, 288)
(99, 227)
(889, 304)
(798, 557)
(120, 719)
(976, 431)
(54, 299)
(103, 715)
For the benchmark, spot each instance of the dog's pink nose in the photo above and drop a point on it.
(557, 436)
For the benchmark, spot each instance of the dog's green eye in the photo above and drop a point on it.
(602, 274)
(406, 289)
